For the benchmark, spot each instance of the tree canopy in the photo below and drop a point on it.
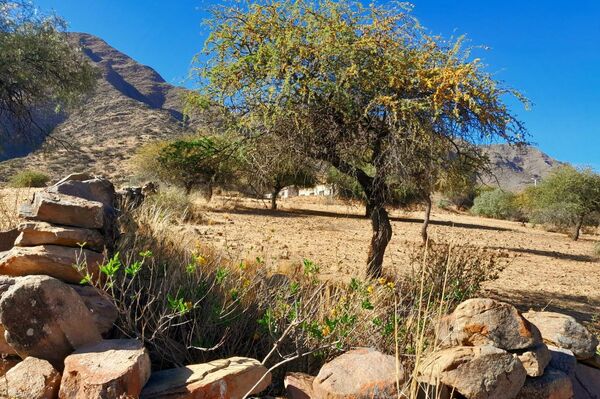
(38, 66)
(354, 86)
(568, 197)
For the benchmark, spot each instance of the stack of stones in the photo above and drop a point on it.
(54, 330)
(487, 349)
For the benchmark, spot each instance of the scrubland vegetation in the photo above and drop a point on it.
(190, 301)
(29, 178)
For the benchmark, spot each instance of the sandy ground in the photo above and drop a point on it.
(545, 270)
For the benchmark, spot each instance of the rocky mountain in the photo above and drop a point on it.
(132, 105)
(514, 168)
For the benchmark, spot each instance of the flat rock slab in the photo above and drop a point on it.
(484, 321)
(45, 318)
(51, 260)
(360, 373)
(42, 233)
(65, 210)
(103, 310)
(565, 332)
(87, 187)
(227, 378)
(482, 372)
(554, 384)
(30, 379)
(109, 369)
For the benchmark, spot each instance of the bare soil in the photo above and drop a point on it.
(545, 270)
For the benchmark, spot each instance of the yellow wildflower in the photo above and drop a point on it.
(391, 285)
(370, 289)
(326, 331)
(381, 280)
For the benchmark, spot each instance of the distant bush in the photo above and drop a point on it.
(567, 199)
(497, 204)
(445, 204)
(29, 178)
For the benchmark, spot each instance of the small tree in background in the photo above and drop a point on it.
(198, 162)
(567, 198)
(270, 165)
(352, 85)
(497, 203)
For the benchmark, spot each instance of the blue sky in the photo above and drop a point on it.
(549, 50)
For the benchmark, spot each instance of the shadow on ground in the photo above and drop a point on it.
(290, 213)
(551, 254)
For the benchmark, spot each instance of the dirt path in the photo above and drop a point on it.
(545, 270)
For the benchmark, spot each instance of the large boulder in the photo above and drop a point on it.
(535, 360)
(227, 378)
(360, 373)
(87, 187)
(30, 379)
(554, 384)
(40, 233)
(481, 372)
(484, 321)
(103, 310)
(64, 209)
(565, 332)
(7, 239)
(110, 369)
(52, 260)
(45, 318)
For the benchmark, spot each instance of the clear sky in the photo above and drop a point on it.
(549, 50)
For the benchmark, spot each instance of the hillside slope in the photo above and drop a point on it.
(514, 168)
(131, 105)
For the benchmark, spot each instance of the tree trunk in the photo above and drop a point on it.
(209, 191)
(577, 229)
(274, 195)
(382, 234)
(426, 219)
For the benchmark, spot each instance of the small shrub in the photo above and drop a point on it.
(597, 249)
(176, 203)
(497, 204)
(445, 204)
(29, 178)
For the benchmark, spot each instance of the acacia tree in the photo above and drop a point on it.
(38, 67)
(568, 197)
(353, 84)
(201, 161)
(272, 165)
